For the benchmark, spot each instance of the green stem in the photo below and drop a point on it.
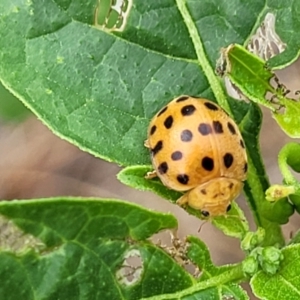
(273, 230)
(235, 274)
(202, 58)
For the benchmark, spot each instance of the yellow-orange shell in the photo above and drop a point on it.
(192, 141)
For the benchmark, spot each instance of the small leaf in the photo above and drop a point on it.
(289, 119)
(250, 75)
(248, 72)
(285, 284)
(277, 192)
(253, 239)
(269, 258)
(250, 266)
(289, 157)
(199, 254)
(234, 223)
(134, 176)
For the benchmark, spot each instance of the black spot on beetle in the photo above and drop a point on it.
(163, 168)
(162, 111)
(205, 213)
(203, 191)
(228, 160)
(204, 129)
(230, 185)
(186, 135)
(228, 208)
(157, 148)
(168, 122)
(183, 178)
(231, 128)
(211, 106)
(245, 167)
(153, 129)
(183, 98)
(188, 110)
(208, 163)
(177, 155)
(217, 127)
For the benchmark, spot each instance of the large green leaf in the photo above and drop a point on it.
(99, 89)
(83, 246)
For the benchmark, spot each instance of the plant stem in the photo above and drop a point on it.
(253, 187)
(202, 58)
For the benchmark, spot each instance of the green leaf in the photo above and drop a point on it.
(248, 72)
(284, 284)
(214, 282)
(84, 247)
(289, 119)
(253, 239)
(252, 78)
(233, 224)
(224, 277)
(135, 177)
(287, 25)
(289, 158)
(269, 258)
(277, 192)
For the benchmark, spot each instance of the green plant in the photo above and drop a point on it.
(98, 89)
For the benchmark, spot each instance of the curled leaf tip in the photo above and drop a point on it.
(277, 192)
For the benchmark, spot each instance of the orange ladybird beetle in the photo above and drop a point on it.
(196, 147)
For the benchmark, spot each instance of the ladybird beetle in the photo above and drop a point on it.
(196, 147)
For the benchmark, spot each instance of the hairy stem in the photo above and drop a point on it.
(254, 189)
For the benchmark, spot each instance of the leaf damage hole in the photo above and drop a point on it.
(112, 15)
(13, 239)
(132, 268)
(265, 42)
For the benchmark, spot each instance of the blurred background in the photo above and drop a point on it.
(35, 163)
